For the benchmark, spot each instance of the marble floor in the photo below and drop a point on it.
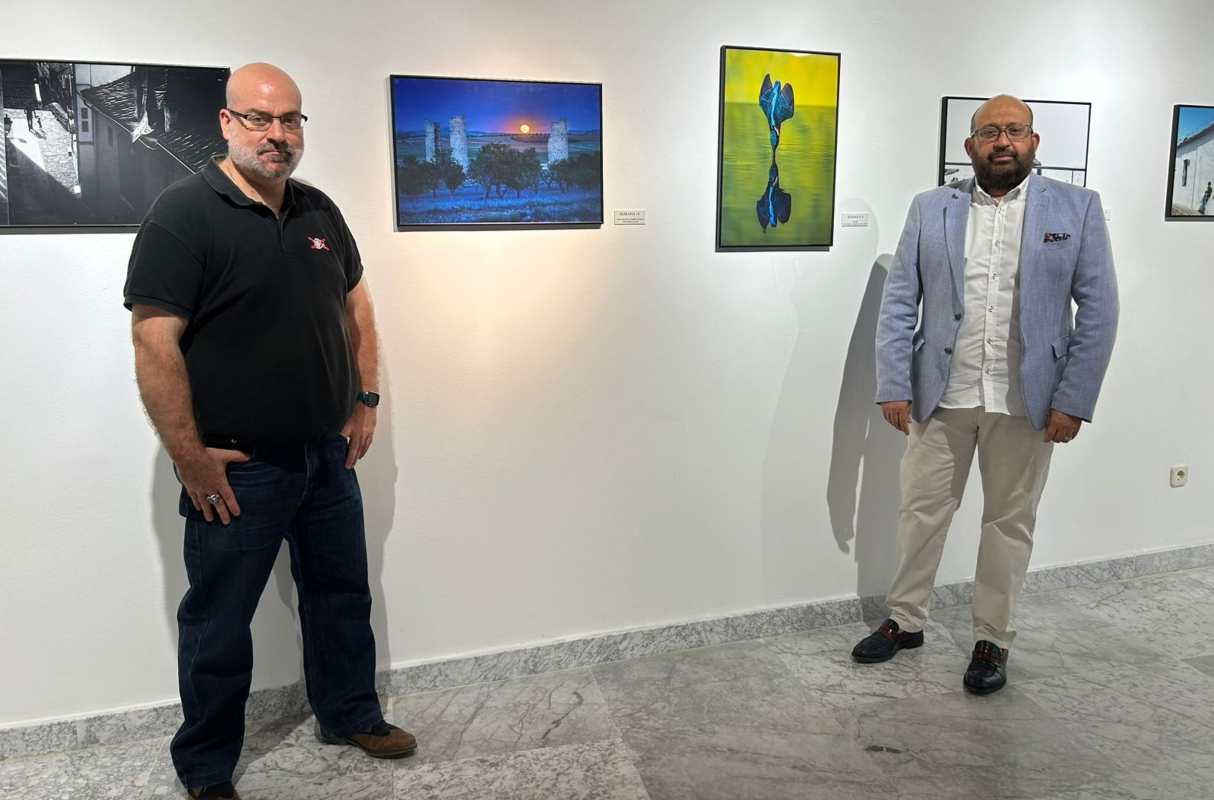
(1111, 697)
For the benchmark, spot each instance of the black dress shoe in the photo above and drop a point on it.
(881, 644)
(988, 668)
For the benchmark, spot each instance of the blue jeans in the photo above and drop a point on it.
(305, 495)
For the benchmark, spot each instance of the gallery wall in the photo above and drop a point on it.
(594, 430)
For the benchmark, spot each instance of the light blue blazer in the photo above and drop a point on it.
(1064, 256)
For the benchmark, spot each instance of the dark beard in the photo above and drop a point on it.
(1005, 179)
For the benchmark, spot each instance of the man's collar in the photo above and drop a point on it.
(982, 197)
(221, 183)
(218, 180)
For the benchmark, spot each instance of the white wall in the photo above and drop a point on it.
(592, 430)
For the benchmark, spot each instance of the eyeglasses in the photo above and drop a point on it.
(1015, 132)
(256, 121)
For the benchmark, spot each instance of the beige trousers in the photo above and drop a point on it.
(1014, 461)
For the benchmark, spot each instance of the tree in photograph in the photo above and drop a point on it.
(582, 171)
(417, 177)
(453, 175)
(523, 171)
(489, 167)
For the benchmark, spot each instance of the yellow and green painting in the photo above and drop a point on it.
(776, 185)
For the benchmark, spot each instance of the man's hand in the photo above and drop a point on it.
(208, 475)
(897, 413)
(358, 430)
(1061, 427)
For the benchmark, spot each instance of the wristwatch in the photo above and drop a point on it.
(368, 399)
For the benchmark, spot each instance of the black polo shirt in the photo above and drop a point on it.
(267, 342)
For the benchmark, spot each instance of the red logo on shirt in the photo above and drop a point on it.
(318, 243)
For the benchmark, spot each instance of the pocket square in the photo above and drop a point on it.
(1056, 237)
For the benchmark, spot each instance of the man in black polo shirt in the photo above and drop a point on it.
(255, 352)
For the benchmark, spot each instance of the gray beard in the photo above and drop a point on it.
(248, 162)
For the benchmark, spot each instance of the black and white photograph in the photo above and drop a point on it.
(1063, 127)
(1191, 167)
(93, 144)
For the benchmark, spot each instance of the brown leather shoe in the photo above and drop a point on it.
(222, 791)
(382, 741)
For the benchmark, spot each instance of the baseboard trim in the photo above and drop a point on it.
(268, 705)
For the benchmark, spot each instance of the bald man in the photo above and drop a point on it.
(978, 348)
(255, 354)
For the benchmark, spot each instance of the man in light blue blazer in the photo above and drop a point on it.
(996, 328)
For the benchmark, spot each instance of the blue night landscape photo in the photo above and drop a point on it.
(472, 152)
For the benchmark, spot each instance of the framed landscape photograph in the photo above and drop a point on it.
(1063, 127)
(93, 144)
(1191, 167)
(777, 139)
(473, 153)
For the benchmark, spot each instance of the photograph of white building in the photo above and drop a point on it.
(1191, 187)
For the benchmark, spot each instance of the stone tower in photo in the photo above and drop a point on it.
(431, 129)
(558, 142)
(459, 142)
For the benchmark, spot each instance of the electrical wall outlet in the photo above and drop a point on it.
(1179, 475)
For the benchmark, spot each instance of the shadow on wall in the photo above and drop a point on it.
(862, 492)
(377, 478)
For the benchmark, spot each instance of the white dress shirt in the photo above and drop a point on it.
(986, 357)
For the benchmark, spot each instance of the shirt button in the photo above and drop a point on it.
(948, 350)
(991, 309)
(956, 316)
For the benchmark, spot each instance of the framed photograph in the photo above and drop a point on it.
(93, 144)
(779, 113)
(1191, 168)
(1063, 127)
(472, 153)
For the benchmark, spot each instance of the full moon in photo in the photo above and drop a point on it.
(524, 128)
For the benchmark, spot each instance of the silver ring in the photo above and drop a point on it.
(214, 499)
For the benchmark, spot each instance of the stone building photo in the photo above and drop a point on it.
(477, 152)
(94, 144)
(1191, 193)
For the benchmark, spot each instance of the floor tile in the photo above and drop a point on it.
(822, 660)
(1205, 664)
(599, 771)
(1055, 636)
(548, 710)
(286, 762)
(733, 722)
(1161, 613)
(130, 770)
(1155, 723)
(962, 746)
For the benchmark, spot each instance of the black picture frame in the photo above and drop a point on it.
(89, 145)
(588, 165)
(810, 243)
(1193, 171)
(1071, 169)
